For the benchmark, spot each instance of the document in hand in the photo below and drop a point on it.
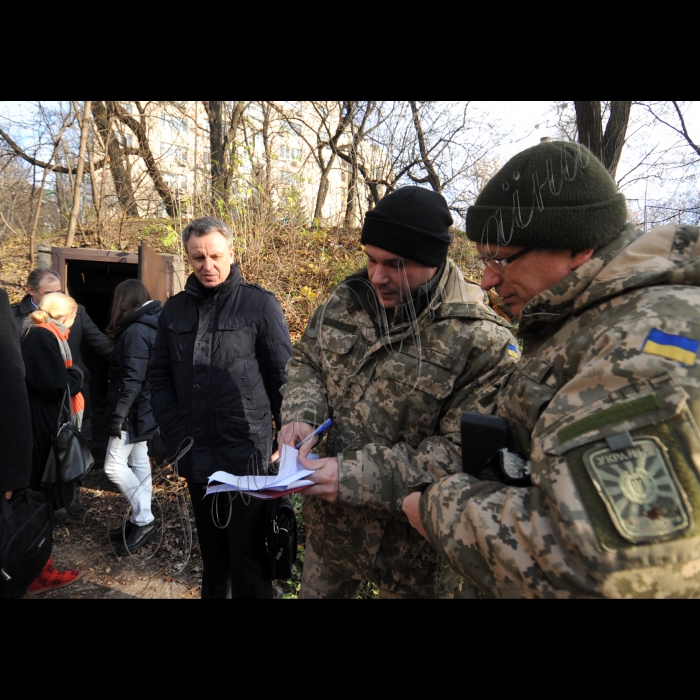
(290, 478)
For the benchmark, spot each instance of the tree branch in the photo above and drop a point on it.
(57, 168)
(685, 133)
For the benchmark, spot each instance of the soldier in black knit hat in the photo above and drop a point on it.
(394, 356)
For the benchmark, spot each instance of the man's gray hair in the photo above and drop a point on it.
(205, 226)
(36, 276)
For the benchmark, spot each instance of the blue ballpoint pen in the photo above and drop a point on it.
(324, 426)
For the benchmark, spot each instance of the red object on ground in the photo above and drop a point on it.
(51, 578)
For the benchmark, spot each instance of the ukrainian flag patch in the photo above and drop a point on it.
(513, 350)
(672, 347)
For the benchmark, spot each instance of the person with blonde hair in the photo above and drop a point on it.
(49, 373)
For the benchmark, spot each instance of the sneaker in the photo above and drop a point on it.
(51, 578)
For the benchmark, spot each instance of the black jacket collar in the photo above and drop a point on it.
(26, 306)
(194, 287)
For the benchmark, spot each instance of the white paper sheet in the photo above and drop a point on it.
(289, 478)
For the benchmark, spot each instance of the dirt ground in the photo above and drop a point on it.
(169, 567)
(161, 569)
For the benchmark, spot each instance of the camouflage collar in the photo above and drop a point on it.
(562, 299)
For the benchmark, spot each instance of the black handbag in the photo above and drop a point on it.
(25, 540)
(281, 537)
(70, 458)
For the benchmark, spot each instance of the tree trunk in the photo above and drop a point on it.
(122, 181)
(96, 199)
(323, 188)
(217, 149)
(37, 212)
(75, 209)
(589, 120)
(615, 130)
(432, 176)
(138, 128)
(606, 147)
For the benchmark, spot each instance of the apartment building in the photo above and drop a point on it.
(281, 147)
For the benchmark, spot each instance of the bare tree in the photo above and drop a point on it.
(660, 112)
(75, 209)
(124, 188)
(224, 121)
(608, 145)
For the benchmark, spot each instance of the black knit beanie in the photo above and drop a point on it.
(412, 222)
(554, 195)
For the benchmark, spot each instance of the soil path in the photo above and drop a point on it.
(162, 569)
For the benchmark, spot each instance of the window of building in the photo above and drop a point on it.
(168, 121)
(125, 140)
(288, 153)
(255, 111)
(287, 178)
(176, 153)
(291, 127)
(176, 181)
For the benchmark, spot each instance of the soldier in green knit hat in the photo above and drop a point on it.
(595, 490)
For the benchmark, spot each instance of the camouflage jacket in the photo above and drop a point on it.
(605, 403)
(396, 397)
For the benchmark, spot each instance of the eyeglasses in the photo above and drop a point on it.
(499, 266)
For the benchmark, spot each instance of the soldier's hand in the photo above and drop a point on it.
(293, 433)
(325, 478)
(412, 509)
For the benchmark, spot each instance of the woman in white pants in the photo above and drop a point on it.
(132, 328)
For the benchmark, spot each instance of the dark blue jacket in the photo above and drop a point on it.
(129, 393)
(216, 371)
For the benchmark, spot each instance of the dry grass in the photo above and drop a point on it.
(299, 264)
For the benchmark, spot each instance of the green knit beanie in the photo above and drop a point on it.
(554, 195)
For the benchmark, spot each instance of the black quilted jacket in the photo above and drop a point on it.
(129, 393)
(216, 371)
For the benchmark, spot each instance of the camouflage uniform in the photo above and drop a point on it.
(396, 399)
(605, 402)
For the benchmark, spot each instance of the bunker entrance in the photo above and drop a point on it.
(92, 284)
(90, 277)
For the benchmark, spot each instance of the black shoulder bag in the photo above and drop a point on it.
(70, 458)
(281, 537)
(25, 540)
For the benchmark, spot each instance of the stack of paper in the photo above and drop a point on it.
(290, 478)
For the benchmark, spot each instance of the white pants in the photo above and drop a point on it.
(128, 468)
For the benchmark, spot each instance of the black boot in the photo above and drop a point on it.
(76, 509)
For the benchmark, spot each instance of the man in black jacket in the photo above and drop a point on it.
(42, 282)
(217, 366)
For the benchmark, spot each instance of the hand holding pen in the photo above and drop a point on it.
(324, 426)
(292, 432)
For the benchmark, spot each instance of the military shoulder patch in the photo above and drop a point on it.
(513, 350)
(672, 347)
(641, 492)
